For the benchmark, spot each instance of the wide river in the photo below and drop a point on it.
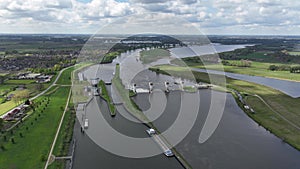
(238, 141)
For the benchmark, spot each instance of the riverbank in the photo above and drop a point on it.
(287, 106)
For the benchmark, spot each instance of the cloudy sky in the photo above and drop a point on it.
(245, 17)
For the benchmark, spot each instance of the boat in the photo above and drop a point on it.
(169, 153)
(86, 123)
(202, 86)
(151, 131)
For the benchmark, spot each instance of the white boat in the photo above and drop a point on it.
(86, 123)
(150, 131)
(169, 153)
(202, 86)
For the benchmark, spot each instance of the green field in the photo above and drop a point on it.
(8, 105)
(6, 88)
(294, 53)
(65, 78)
(31, 150)
(64, 138)
(287, 106)
(5, 107)
(256, 69)
(149, 56)
(19, 82)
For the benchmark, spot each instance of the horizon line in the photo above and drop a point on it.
(90, 34)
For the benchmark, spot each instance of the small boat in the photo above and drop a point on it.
(169, 153)
(150, 131)
(202, 86)
(86, 123)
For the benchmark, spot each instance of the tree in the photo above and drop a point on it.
(18, 97)
(57, 67)
(273, 67)
(1, 123)
(39, 86)
(295, 69)
(13, 140)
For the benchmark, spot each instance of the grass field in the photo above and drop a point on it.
(65, 78)
(294, 53)
(8, 105)
(256, 69)
(285, 105)
(64, 138)
(30, 150)
(148, 56)
(6, 88)
(19, 82)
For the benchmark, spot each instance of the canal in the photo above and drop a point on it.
(238, 142)
(89, 155)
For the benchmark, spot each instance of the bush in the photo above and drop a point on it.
(43, 157)
(279, 68)
(273, 67)
(295, 69)
(2, 148)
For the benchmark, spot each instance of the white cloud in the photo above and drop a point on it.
(213, 16)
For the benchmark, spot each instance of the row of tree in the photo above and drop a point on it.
(241, 63)
(292, 69)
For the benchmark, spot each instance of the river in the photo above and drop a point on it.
(290, 88)
(193, 50)
(238, 141)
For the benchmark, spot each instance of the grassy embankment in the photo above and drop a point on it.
(129, 104)
(109, 57)
(285, 105)
(106, 97)
(65, 77)
(64, 139)
(27, 145)
(149, 56)
(256, 69)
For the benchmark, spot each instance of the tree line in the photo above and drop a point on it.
(292, 69)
